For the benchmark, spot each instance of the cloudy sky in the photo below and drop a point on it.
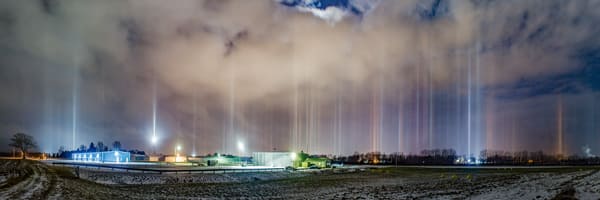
(323, 76)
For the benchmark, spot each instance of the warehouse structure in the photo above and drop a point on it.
(274, 159)
(105, 156)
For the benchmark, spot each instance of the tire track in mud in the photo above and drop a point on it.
(24, 180)
(36, 186)
(572, 187)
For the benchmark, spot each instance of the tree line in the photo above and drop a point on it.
(449, 157)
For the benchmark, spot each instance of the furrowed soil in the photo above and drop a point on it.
(26, 179)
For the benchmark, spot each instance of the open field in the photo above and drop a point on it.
(36, 180)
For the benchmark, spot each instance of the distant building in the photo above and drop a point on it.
(303, 160)
(138, 157)
(222, 160)
(156, 158)
(175, 158)
(274, 159)
(319, 162)
(105, 156)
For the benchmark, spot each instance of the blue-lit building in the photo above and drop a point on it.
(105, 156)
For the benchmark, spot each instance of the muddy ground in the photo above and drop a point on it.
(34, 180)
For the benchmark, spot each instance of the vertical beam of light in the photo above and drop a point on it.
(75, 99)
(469, 102)
(457, 97)
(559, 126)
(380, 103)
(418, 113)
(317, 123)
(381, 116)
(294, 139)
(400, 128)
(230, 129)
(375, 120)
(380, 113)
(372, 118)
(458, 107)
(295, 125)
(154, 102)
(430, 99)
(334, 128)
(306, 120)
(311, 119)
(74, 114)
(340, 127)
(154, 139)
(195, 108)
(337, 128)
(489, 123)
(478, 101)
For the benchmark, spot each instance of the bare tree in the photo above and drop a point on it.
(23, 143)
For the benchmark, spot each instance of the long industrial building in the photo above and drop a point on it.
(105, 156)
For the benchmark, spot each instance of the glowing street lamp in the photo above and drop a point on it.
(241, 146)
(177, 150)
(154, 140)
(178, 158)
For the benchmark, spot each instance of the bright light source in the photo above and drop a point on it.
(178, 147)
(240, 146)
(154, 139)
(293, 155)
(116, 153)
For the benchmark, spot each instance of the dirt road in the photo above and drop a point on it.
(27, 180)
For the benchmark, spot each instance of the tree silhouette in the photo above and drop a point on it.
(100, 146)
(23, 142)
(116, 145)
(91, 148)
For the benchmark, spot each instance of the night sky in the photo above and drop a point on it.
(327, 77)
